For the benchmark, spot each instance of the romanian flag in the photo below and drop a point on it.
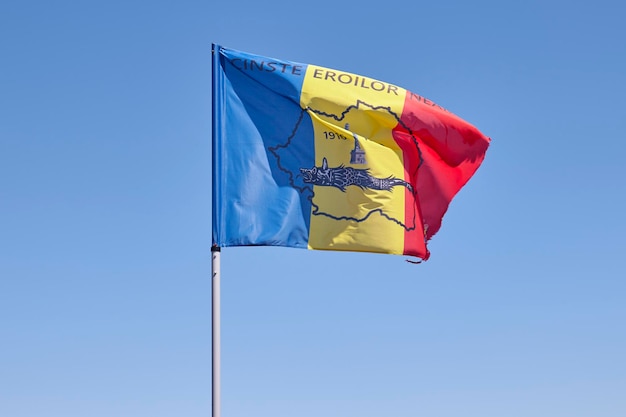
(311, 157)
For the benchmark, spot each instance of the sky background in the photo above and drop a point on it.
(105, 218)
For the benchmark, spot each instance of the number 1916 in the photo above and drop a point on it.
(332, 135)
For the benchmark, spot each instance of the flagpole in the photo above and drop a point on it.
(216, 388)
(215, 325)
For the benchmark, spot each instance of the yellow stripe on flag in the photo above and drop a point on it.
(343, 106)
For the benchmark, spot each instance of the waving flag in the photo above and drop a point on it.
(311, 157)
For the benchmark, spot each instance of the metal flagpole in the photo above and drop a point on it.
(216, 410)
(215, 324)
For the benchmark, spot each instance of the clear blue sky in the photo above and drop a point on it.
(105, 211)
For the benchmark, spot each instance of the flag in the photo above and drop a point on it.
(311, 157)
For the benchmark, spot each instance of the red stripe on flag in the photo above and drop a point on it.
(441, 153)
